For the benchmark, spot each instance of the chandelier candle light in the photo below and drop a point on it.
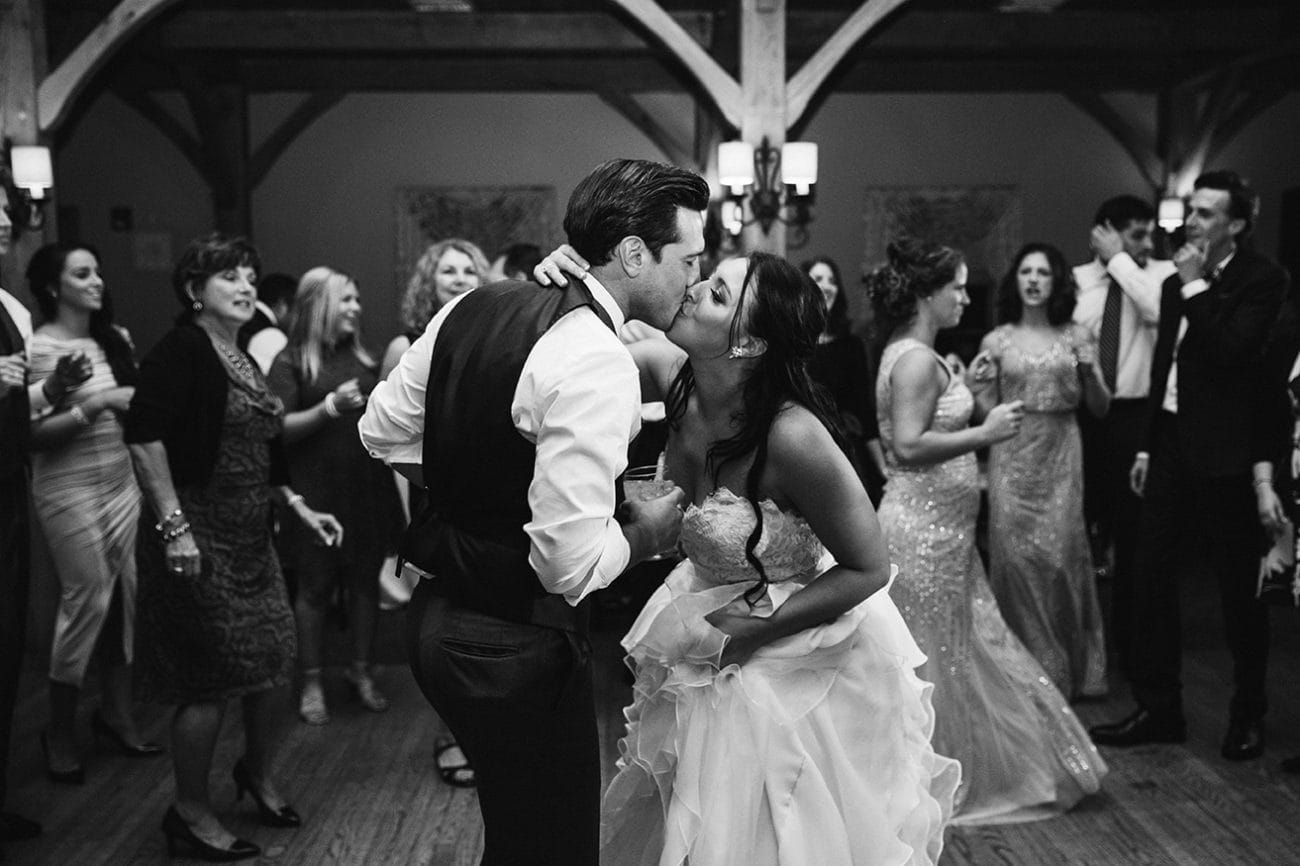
(782, 180)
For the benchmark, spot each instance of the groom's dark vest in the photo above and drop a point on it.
(477, 466)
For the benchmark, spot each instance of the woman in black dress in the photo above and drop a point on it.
(840, 366)
(213, 618)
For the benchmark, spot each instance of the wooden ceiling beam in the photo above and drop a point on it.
(941, 33)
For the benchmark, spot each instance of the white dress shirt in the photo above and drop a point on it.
(1189, 291)
(579, 400)
(1139, 315)
(268, 342)
(40, 404)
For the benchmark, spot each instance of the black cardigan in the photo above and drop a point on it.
(180, 400)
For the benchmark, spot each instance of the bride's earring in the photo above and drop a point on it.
(751, 348)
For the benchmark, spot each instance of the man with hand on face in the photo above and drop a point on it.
(1119, 305)
(18, 402)
(514, 410)
(1194, 473)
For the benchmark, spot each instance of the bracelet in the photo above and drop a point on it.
(175, 532)
(170, 521)
(294, 500)
(1263, 481)
(79, 415)
(331, 408)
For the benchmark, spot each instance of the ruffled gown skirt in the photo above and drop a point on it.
(815, 751)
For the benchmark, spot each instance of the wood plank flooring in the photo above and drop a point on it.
(366, 786)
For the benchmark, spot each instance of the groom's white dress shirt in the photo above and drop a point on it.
(579, 400)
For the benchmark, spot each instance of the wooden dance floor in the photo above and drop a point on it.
(367, 788)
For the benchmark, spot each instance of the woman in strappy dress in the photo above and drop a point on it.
(1024, 753)
(1040, 564)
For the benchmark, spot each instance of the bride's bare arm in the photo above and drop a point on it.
(807, 470)
(658, 362)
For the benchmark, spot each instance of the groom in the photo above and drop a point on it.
(514, 410)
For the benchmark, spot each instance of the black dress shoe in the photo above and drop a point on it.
(179, 836)
(1141, 727)
(15, 828)
(285, 816)
(73, 776)
(1244, 740)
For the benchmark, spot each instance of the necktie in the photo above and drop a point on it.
(1108, 338)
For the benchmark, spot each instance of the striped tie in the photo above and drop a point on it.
(1108, 338)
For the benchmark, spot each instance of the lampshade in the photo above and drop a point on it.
(799, 165)
(735, 165)
(32, 169)
(1171, 213)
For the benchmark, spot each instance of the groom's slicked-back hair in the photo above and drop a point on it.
(626, 197)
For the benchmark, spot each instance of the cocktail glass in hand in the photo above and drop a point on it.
(644, 483)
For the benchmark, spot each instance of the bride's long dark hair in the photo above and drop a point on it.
(788, 314)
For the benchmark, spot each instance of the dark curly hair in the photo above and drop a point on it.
(1060, 304)
(916, 269)
(837, 317)
(788, 313)
(205, 256)
(44, 274)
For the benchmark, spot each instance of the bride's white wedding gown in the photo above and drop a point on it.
(815, 751)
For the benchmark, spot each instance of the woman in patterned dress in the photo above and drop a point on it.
(1023, 752)
(214, 617)
(323, 377)
(1040, 564)
(87, 502)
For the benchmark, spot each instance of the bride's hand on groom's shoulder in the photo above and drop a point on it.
(563, 260)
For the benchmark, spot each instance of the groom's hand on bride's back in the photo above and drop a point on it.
(651, 527)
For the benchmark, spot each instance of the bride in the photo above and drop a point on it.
(776, 715)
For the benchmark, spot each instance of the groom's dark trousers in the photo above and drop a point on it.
(518, 698)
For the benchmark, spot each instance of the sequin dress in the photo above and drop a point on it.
(1024, 754)
(817, 750)
(1040, 565)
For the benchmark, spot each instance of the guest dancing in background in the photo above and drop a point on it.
(214, 619)
(87, 502)
(1024, 752)
(840, 366)
(322, 377)
(1040, 561)
(446, 269)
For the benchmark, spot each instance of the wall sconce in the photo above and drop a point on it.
(793, 167)
(33, 175)
(1171, 212)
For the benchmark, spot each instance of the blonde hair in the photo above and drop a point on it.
(420, 301)
(314, 322)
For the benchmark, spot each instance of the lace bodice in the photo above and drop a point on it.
(714, 535)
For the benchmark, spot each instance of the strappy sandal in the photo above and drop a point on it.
(311, 706)
(459, 775)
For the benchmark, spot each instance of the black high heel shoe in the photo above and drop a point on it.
(285, 816)
(104, 729)
(75, 776)
(176, 831)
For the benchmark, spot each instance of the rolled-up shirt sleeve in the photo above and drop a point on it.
(392, 427)
(579, 400)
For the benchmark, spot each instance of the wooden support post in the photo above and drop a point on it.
(221, 114)
(763, 96)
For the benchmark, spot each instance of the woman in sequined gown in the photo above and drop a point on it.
(1040, 563)
(776, 715)
(1023, 752)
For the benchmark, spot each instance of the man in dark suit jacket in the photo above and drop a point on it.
(1195, 476)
